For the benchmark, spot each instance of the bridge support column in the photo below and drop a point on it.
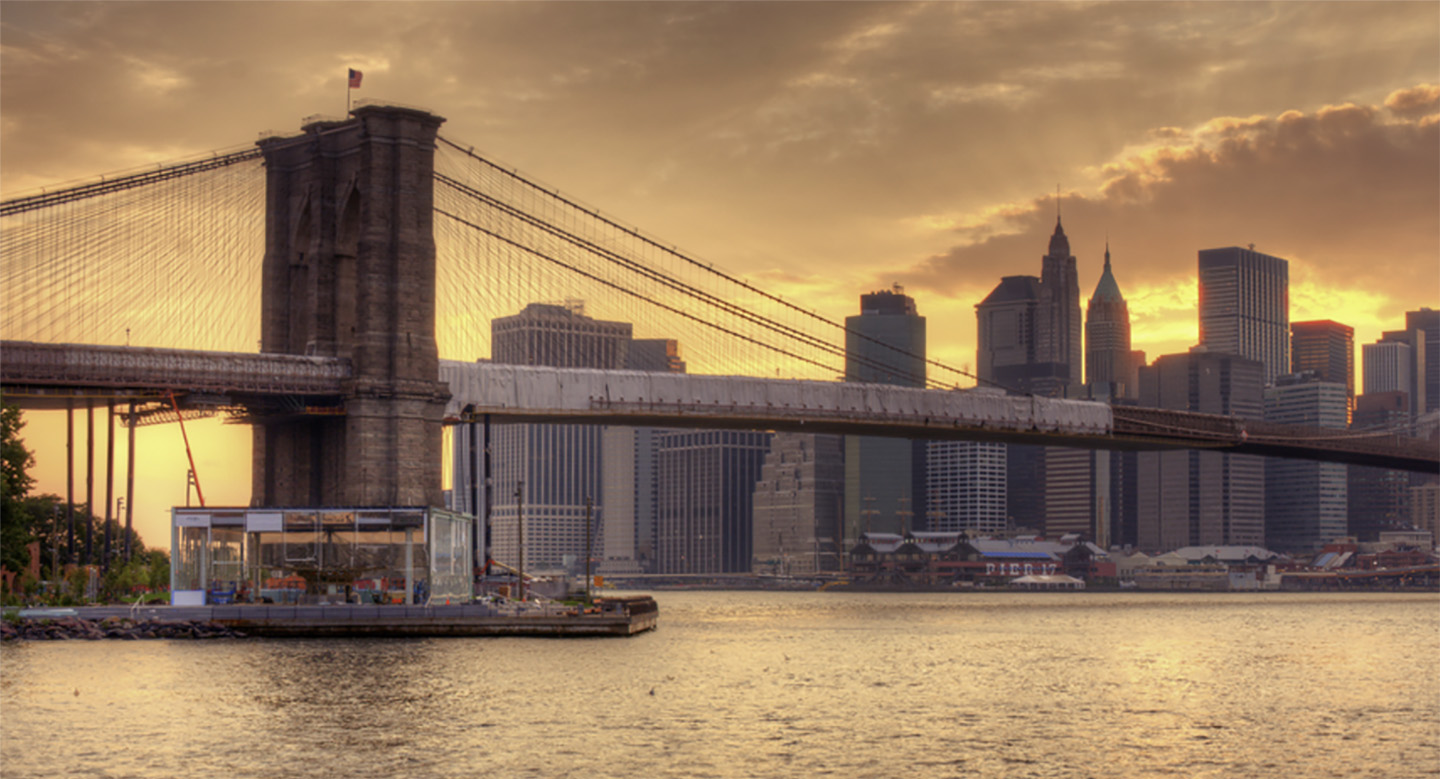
(350, 272)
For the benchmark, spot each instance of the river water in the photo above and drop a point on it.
(742, 684)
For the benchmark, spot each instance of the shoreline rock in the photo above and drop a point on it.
(123, 629)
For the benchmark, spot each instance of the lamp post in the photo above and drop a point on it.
(189, 481)
(55, 551)
(589, 505)
(119, 511)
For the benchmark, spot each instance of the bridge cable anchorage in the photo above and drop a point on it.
(468, 151)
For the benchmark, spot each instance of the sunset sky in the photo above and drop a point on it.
(819, 149)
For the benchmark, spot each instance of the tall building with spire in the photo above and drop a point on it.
(1059, 330)
(1029, 329)
(1108, 357)
(1029, 341)
(1091, 493)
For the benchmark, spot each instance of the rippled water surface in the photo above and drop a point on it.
(771, 684)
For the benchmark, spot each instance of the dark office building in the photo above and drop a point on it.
(1245, 307)
(1378, 499)
(1427, 320)
(705, 496)
(1326, 349)
(1194, 497)
(884, 477)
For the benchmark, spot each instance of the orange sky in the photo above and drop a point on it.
(820, 149)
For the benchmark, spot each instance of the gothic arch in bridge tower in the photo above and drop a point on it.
(349, 272)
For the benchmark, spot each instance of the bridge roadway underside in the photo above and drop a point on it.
(537, 394)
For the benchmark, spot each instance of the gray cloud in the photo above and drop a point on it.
(1345, 190)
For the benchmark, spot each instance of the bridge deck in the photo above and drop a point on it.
(41, 375)
(539, 394)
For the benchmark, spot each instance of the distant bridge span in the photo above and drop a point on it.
(538, 394)
(36, 375)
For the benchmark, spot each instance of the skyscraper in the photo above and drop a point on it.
(1395, 366)
(1005, 334)
(798, 505)
(1305, 501)
(704, 501)
(1108, 357)
(1378, 499)
(1415, 377)
(559, 465)
(1197, 497)
(1029, 341)
(1427, 320)
(965, 485)
(1245, 307)
(628, 469)
(1058, 331)
(1028, 329)
(884, 477)
(1326, 349)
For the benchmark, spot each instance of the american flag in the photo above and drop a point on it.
(355, 77)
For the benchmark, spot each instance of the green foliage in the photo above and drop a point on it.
(15, 482)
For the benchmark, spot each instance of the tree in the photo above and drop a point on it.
(16, 523)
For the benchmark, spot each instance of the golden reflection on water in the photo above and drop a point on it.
(773, 684)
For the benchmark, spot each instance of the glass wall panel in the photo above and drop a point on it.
(227, 563)
(188, 565)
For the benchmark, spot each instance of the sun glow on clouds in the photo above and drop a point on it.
(155, 78)
(1163, 316)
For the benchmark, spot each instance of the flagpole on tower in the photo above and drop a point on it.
(352, 83)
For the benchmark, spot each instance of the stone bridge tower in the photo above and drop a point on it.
(350, 272)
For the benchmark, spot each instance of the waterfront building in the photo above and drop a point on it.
(1425, 509)
(1245, 307)
(1194, 497)
(884, 477)
(950, 559)
(705, 499)
(1305, 501)
(798, 505)
(555, 467)
(1327, 349)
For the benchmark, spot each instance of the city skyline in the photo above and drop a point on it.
(855, 147)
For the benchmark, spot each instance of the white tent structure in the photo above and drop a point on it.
(1048, 581)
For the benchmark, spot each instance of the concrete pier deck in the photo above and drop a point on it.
(615, 617)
